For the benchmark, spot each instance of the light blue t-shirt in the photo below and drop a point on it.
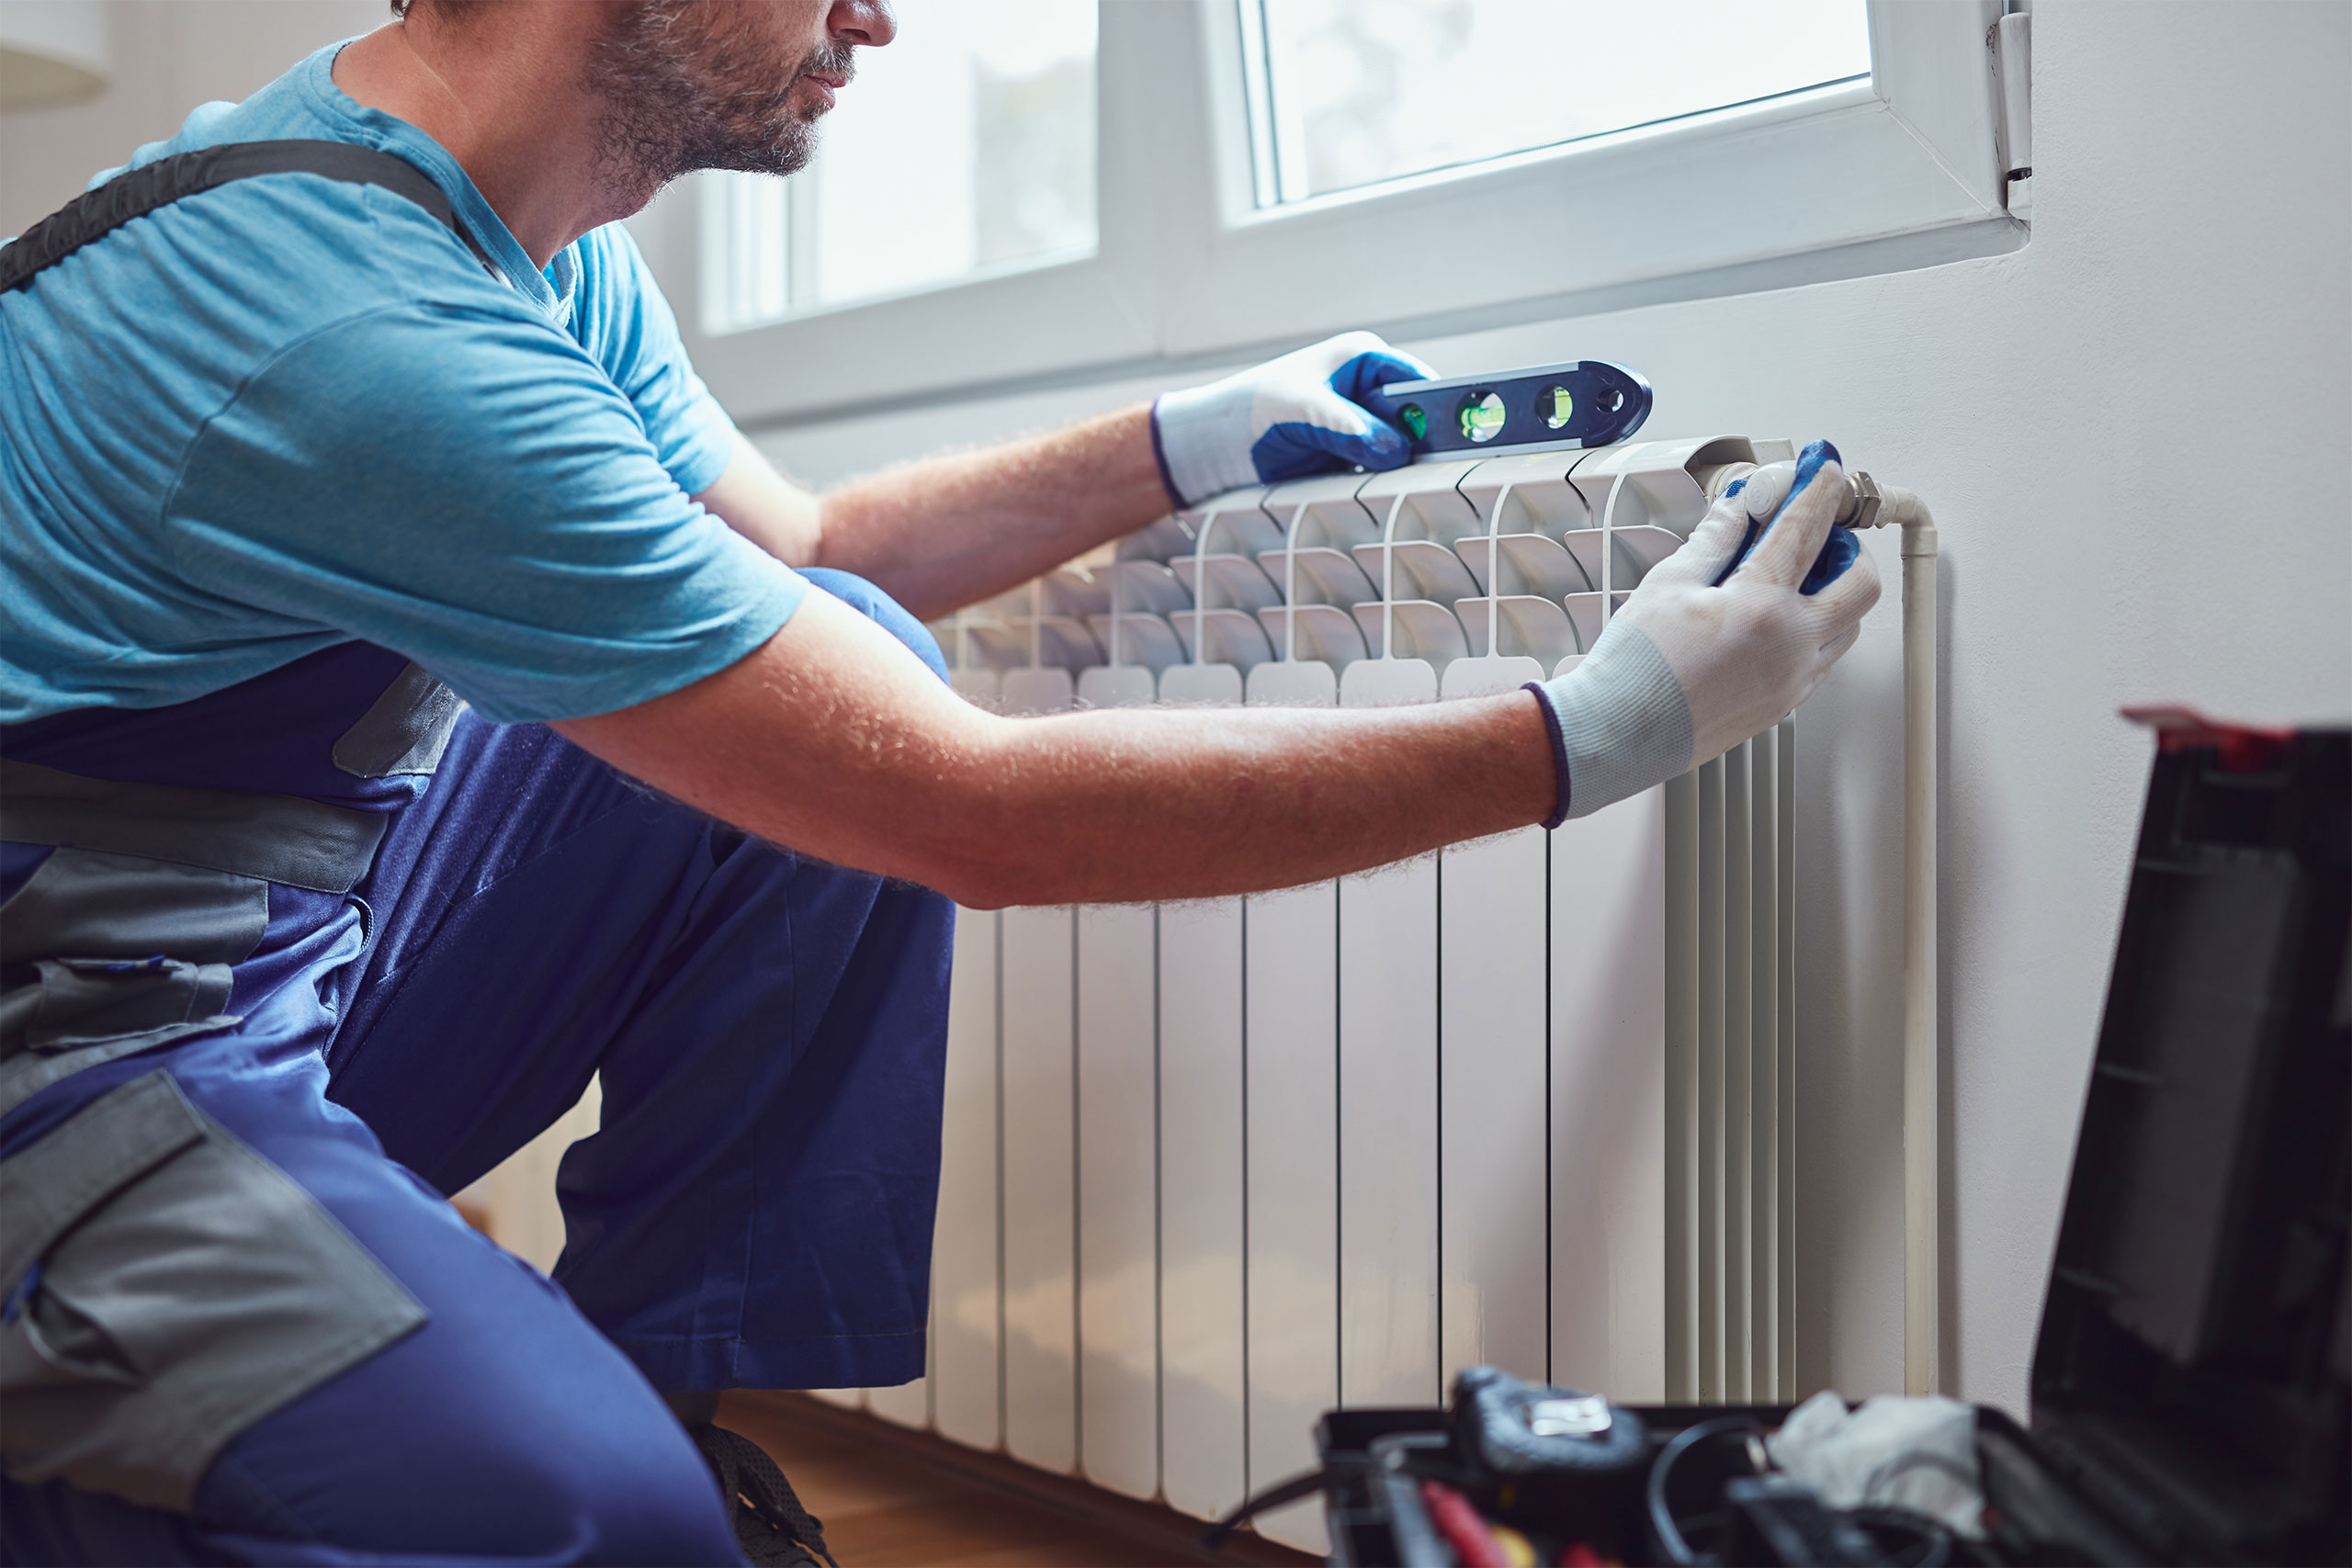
(290, 412)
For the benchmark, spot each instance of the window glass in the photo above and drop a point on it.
(1349, 92)
(966, 144)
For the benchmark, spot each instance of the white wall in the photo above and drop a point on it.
(2132, 432)
(170, 55)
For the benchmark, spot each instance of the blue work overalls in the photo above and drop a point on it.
(270, 997)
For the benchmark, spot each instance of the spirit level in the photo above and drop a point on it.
(1588, 402)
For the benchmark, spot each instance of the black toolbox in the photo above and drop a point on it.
(2189, 1390)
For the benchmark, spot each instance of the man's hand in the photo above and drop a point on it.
(1712, 648)
(1288, 417)
(954, 529)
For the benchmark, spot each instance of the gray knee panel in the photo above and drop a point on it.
(167, 1286)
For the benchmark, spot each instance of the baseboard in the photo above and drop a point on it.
(1170, 1536)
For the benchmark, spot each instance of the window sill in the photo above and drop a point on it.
(1842, 181)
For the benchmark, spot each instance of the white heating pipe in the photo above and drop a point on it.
(1892, 506)
(1870, 504)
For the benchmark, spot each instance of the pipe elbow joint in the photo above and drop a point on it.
(1903, 508)
(1870, 504)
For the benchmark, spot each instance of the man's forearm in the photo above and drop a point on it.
(949, 531)
(1126, 805)
(833, 739)
(952, 530)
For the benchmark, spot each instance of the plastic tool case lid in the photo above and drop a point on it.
(2196, 1347)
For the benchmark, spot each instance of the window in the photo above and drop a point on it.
(966, 146)
(1024, 195)
(1349, 93)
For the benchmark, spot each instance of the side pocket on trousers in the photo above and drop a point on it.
(105, 955)
(166, 1287)
(85, 1001)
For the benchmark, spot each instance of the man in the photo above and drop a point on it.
(285, 455)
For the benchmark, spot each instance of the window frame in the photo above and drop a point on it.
(1189, 271)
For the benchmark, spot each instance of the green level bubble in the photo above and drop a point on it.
(1416, 423)
(1482, 416)
(1555, 406)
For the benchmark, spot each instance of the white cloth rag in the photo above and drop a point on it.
(1907, 1453)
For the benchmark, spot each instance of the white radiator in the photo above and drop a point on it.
(1211, 1168)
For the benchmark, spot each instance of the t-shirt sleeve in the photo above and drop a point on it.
(627, 325)
(471, 490)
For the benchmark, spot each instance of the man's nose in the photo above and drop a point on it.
(864, 22)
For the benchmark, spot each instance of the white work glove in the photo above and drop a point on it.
(1287, 418)
(1706, 653)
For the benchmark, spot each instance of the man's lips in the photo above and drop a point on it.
(825, 87)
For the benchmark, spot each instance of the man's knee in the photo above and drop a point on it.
(653, 1500)
(546, 1496)
(883, 610)
(490, 1486)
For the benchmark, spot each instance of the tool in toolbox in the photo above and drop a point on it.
(2191, 1393)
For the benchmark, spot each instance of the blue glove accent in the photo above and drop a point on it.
(1563, 786)
(1360, 377)
(1838, 551)
(1303, 413)
(1809, 463)
(1746, 540)
(1295, 448)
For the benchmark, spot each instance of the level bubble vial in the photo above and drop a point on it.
(1482, 416)
(1416, 423)
(1555, 406)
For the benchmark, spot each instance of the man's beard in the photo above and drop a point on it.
(679, 95)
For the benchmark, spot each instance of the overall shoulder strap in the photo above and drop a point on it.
(97, 213)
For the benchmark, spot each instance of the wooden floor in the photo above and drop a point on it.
(891, 1498)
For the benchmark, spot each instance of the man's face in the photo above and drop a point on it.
(693, 85)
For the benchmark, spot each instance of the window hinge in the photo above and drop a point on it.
(2010, 44)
